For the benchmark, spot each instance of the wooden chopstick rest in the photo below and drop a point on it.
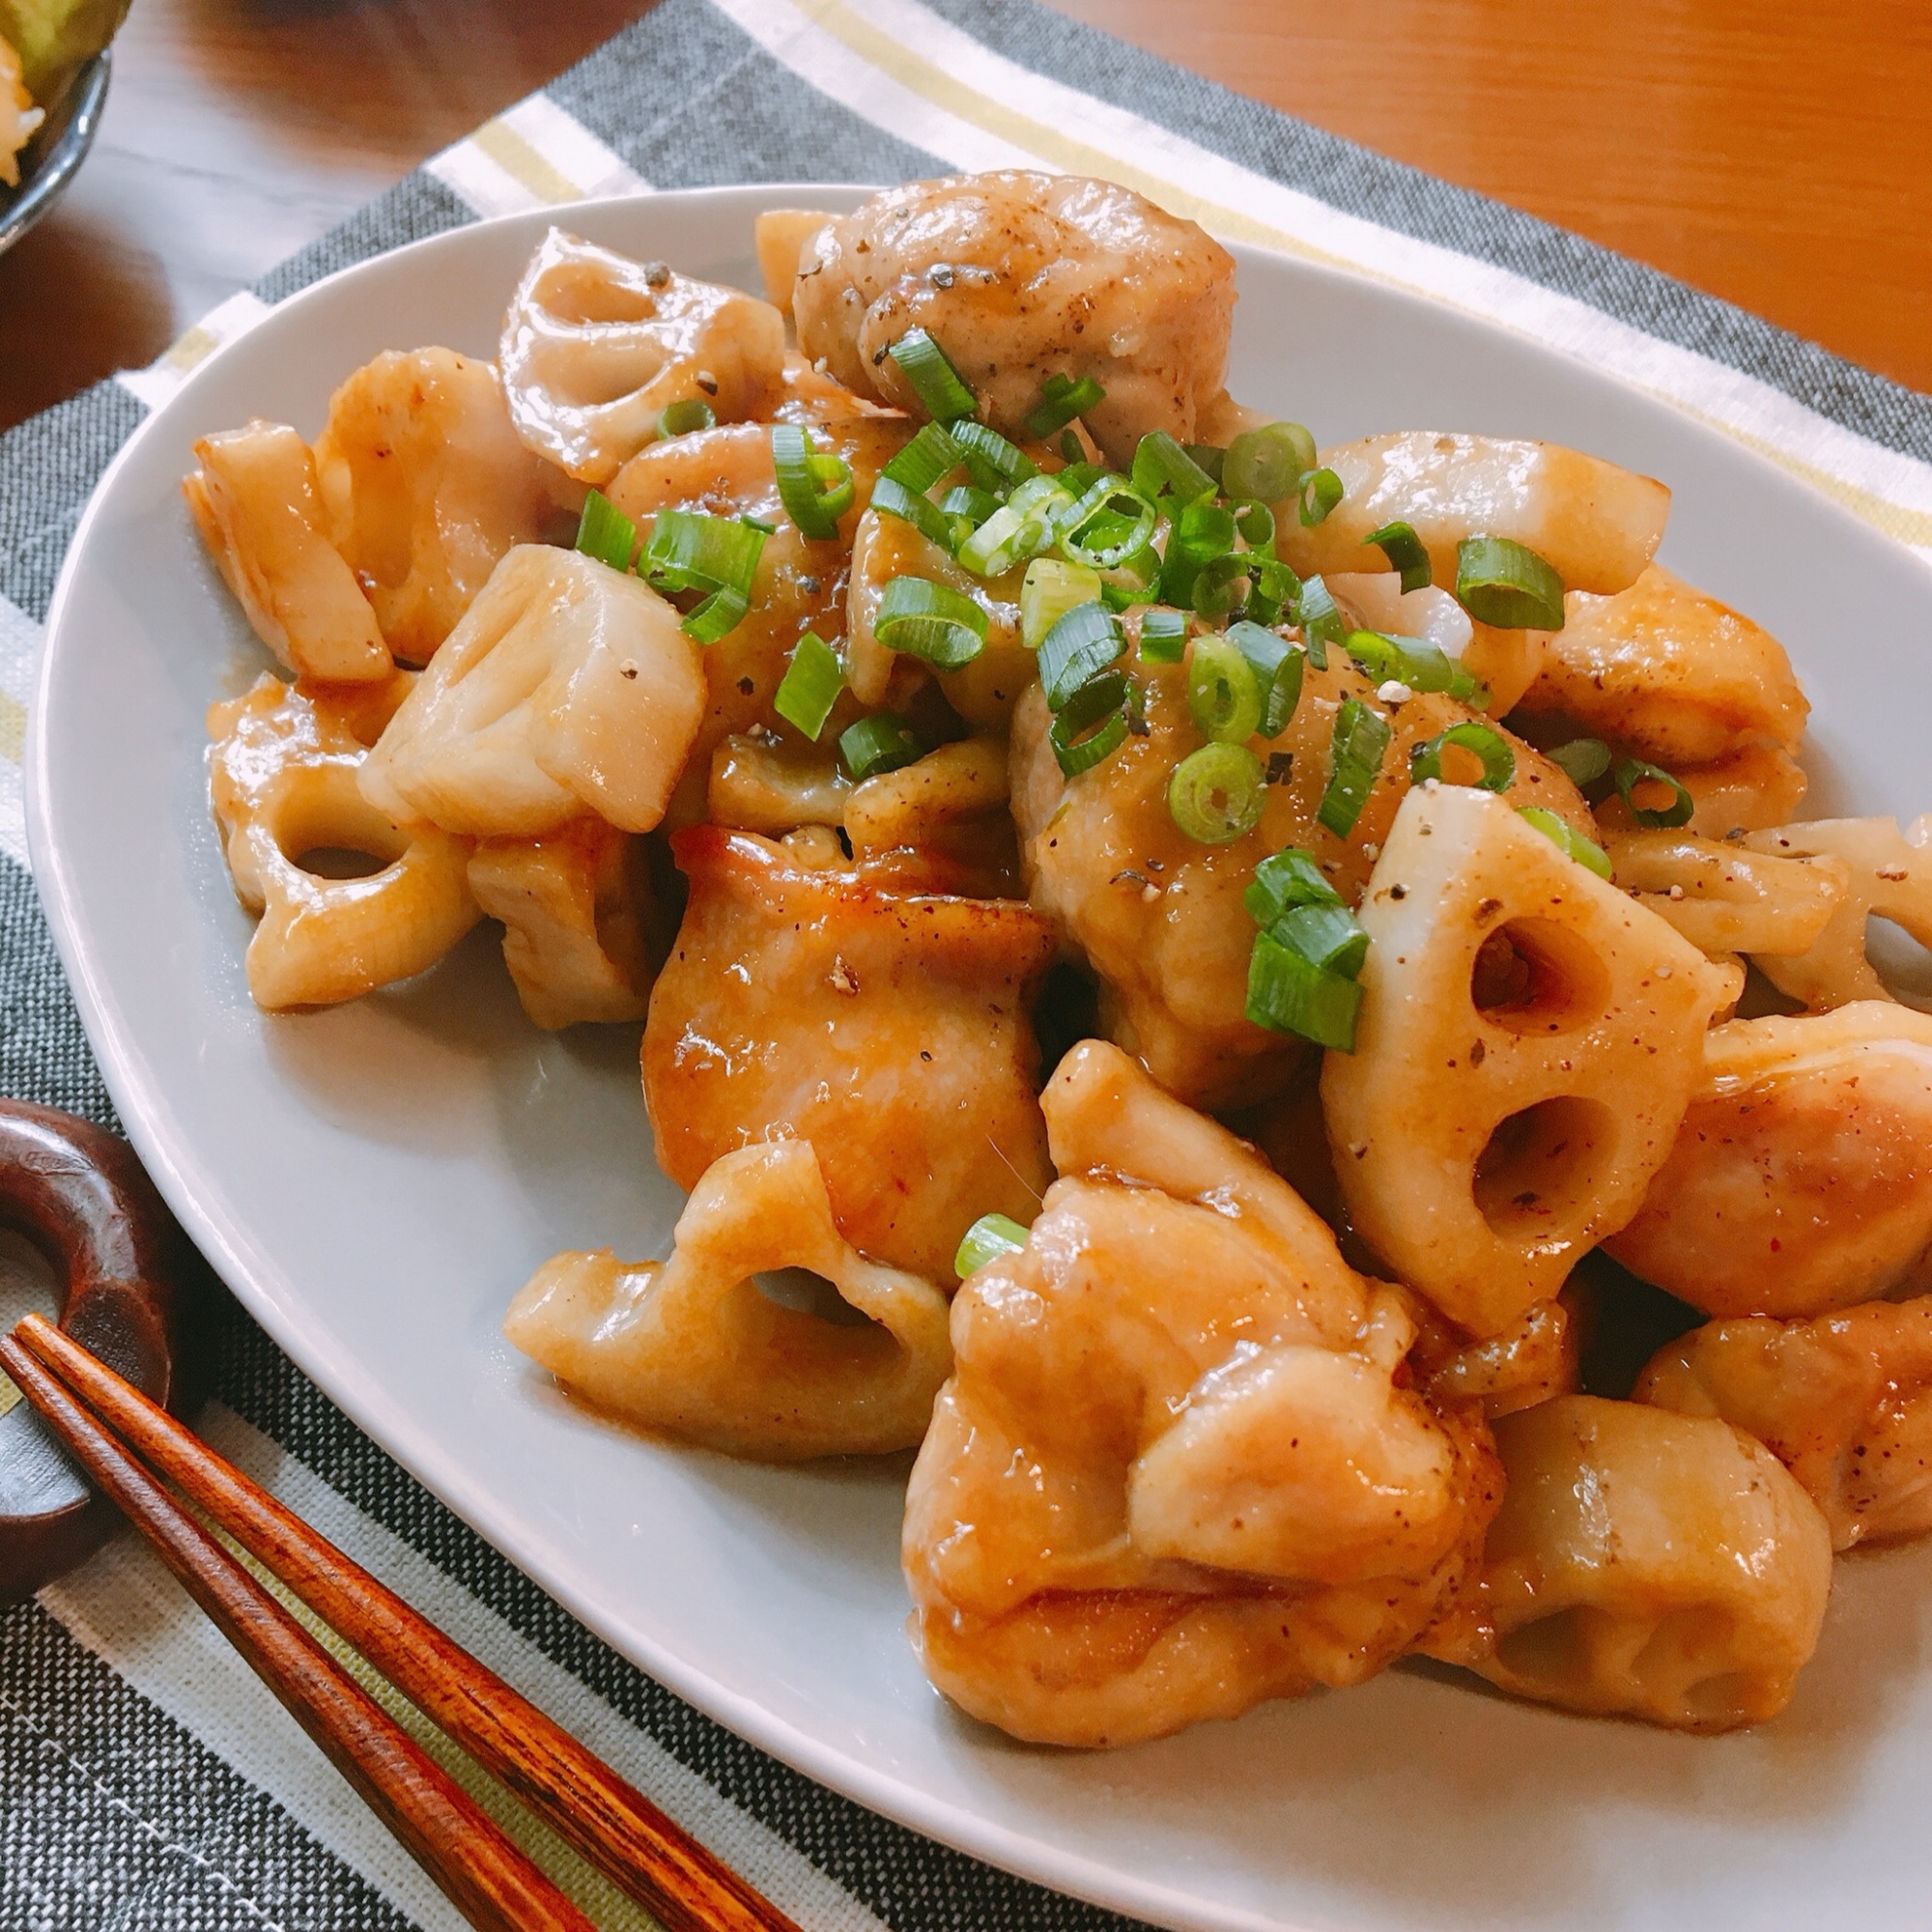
(635, 1845)
(484, 1875)
(79, 1195)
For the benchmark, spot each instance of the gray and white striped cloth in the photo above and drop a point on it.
(145, 1779)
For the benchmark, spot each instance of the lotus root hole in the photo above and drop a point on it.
(1534, 976)
(1538, 1177)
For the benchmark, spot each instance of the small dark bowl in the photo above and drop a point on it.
(54, 156)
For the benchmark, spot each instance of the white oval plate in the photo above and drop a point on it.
(376, 1181)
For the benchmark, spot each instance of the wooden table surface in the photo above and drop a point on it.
(1778, 156)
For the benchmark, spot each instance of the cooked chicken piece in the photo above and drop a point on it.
(800, 585)
(426, 489)
(1672, 674)
(1801, 1178)
(569, 688)
(1539, 1358)
(778, 236)
(1844, 1402)
(812, 398)
(868, 1011)
(1018, 277)
(695, 1347)
(1176, 1470)
(579, 915)
(1747, 790)
(1159, 916)
(1724, 898)
(596, 347)
(1596, 524)
(757, 786)
(255, 502)
(1646, 1565)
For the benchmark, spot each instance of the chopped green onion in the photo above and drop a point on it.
(1222, 586)
(1100, 701)
(1109, 523)
(723, 611)
(1290, 878)
(968, 500)
(763, 524)
(1327, 936)
(1414, 661)
(892, 498)
(988, 1240)
(1071, 449)
(604, 532)
(1290, 994)
(680, 418)
(1050, 589)
(934, 380)
(811, 685)
(1201, 532)
(1572, 844)
(1224, 696)
(1022, 526)
(1631, 773)
(995, 463)
(1321, 620)
(1321, 491)
(1268, 464)
(880, 743)
(1060, 400)
(1161, 466)
(691, 551)
(816, 490)
(1485, 741)
(1163, 635)
(921, 463)
(1218, 793)
(1360, 740)
(930, 620)
(1081, 644)
(1080, 476)
(1276, 588)
(1208, 456)
(1278, 667)
(1503, 583)
(1255, 522)
(1399, 543)
(1583, 760)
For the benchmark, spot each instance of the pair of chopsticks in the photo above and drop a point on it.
(485, 1876)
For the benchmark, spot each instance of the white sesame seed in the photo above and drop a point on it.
(1394, 692)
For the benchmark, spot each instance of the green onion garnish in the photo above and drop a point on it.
(1321, 620)
(1290, 878)
(1321, 491)
(691, 551)
(1208, 456)
(969, 501)
(934, 380)
(1572, 844)
(816, 490)
(995, 463)
(1080, 476)
(1255, 522)
(1201, 532)
(1162, 468)
(1631, 773)
(1163, 635)
(1108, 523)
(1100, 701)
(1583, 760)
(1399, 543)
(1222, 586)
(1224, 696)
(1050, 589)
(1425, 760)
(893, 500)
(880, 743)
(1268, 464)
(1081, 644)
(604, 532)
(1276, 589)
(1293, 995)
(723, 611)
(1278, 667)
(1414, 661)
(932, 622)
(1360, 739)
(930, 455)
(1071, 449)
(1327, 936)
(1060, 400)
(1505, 584)
(1218, 793)
(989, 1238)
(1022, 526)
(811, 685)
(682, 418)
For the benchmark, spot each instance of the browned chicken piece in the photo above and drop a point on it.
(1021, 276)
(1843, 1401)
(801, 583)
(1159, 916)
(1179, 1469)
(1801, 1179)
(868, 1010)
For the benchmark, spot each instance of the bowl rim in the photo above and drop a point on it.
(57, 149)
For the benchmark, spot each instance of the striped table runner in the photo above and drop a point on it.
(145, 1778)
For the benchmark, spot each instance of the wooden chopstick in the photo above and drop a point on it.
(615, 1826)
(484, 1875)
